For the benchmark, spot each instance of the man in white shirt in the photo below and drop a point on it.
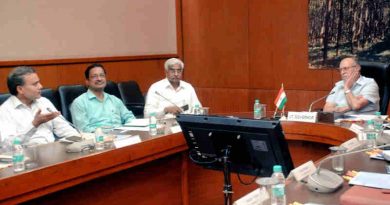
(28, 115)
(354, 94)
(171, 95)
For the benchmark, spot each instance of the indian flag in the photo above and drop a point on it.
(281, 99)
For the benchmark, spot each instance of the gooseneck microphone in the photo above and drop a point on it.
(326, 181)
(319, 99)
(67, 121)
(182, 108)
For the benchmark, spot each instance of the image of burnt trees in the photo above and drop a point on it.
(348, 27)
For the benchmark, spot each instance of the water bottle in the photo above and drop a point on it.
(153, 124)
(17, 155)
(197, 110)
(99, 139)
(278, 193)
(257, 109)
(370, 134)
(378, 124)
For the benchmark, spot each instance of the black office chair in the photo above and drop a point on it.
(381, 74)
(132, 97)
(112, 89)
(4, 97)
(47, 93)
(67, 94)
(52, 96)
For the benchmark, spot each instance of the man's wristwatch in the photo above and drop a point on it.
(347, 91)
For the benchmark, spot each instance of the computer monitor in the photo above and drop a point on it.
(255, 145)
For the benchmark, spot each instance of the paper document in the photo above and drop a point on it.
(138, 123)
(124, 129)
(371, 179)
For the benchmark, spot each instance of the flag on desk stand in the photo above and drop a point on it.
(280, 101)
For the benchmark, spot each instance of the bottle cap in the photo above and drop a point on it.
(197, 105)
(277, 168)
(378, 113)
(370, 122)
(152, 114)
(257, 101)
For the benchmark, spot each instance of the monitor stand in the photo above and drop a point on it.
(227, 186)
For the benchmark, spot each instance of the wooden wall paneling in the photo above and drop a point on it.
(278, 47)
(3, 80)
(215, 40)
(223, 100)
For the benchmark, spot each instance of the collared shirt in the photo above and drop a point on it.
(16, 119)
(89, 113)
(183, 95)
(365, 87)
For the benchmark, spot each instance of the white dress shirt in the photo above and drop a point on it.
(366, 87)
(183, 95)
(16, 119)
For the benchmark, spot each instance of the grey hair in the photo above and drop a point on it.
(173, 61)
(15, 78)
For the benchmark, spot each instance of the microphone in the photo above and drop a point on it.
(182, 108)
(326, 181)
(71, 124)
(319, 99)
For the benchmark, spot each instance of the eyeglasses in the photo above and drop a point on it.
(94, 77)
(347, 68)
(171, 70)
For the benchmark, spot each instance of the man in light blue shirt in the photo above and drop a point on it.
(95, 108)
(354, 94)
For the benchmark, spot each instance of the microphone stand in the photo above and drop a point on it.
(319, 99)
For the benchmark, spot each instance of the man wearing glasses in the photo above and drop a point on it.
(354, 94)
(96, 108)
(171, 95)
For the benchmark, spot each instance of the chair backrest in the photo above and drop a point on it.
(381, 74)
(4, 97)
(112, 89)
(52, 96)
(67, 94)
(47, 93)
(132, 97)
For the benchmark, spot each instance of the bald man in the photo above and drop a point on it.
(354, 94)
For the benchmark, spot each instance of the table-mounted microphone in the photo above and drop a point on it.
(67, 121)
(319, 99)
(325, 181)
(182, 108)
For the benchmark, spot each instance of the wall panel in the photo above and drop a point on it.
(267, 47)
(216, 43)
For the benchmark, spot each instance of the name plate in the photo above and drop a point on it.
(304, 170)
(256, 197)
(358, 130)
(302, 116)
(175, 129)
(352, 144)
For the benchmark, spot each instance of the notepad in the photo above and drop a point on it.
(371, 179)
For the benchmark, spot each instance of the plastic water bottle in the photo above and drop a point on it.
(99, 139)
(18, 155)
(153, 124)
(257, 109)
(197, 110)
(378, 124)
(278, 192)
(370, 134)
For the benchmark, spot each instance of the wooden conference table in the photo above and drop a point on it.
(155, 171)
